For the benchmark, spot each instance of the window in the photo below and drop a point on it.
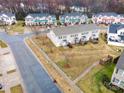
(120, 72)
(122, 83)
(115, 80)
(64, 36)
(60, 37)
(84, 33)
(122, 33)
(74, 35)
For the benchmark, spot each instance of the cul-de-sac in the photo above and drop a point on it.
(61, 46)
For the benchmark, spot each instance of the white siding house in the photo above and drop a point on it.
(73, 18)
(118, 74)
(8, 18)
(108, 18)
(73, 34)
(116, 35)
(40, 19)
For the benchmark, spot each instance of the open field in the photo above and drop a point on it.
(16, 89)
(2, 44)
(76, 60)
(92, 82)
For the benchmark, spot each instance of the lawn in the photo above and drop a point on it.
(92, 82)
(18, 27)
(76, 60)
(16, 89)
(2, 44)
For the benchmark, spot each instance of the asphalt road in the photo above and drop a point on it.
(35, 78)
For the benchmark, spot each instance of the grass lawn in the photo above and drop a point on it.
(16, 89)
(18, 27)
(2, 91)
(76, 60)
(92, 82)
(2, 44)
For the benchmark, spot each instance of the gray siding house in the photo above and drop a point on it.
(118, 74)
(116, 35)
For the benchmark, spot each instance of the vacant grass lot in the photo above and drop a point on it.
(18, 27)
(92, 82)
(2, 44)
(76, 60)
(16, 89)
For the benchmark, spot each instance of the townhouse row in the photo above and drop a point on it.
(7, 18)
(73, 34)
(108, 18)
(47, 19)
(65, 19)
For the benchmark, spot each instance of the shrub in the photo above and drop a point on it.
(107, 84)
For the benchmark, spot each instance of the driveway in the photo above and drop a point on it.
(35, 78)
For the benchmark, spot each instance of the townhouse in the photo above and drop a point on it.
(108, 18)
(115, 35)
(78, 8)
(73, 34)
(73, 18)
(7, 18)
(40, 19)
(118, 74)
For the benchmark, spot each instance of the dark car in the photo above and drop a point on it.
(0, 86)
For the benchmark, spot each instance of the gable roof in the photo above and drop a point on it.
(106, 14)
(74, 29)
(8, 14)
(34, 15)
(120, 63)
(115, 27)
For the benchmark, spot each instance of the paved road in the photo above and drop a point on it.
(34, 76)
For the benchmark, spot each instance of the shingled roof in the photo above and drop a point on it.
(114, 27)
(106, 14)
(74, 29)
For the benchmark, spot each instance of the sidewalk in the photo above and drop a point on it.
(85, 72)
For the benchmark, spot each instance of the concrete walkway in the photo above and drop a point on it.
(85, 72)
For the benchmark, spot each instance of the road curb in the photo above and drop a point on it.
(42, 64)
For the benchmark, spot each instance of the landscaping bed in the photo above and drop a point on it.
(16, 89)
